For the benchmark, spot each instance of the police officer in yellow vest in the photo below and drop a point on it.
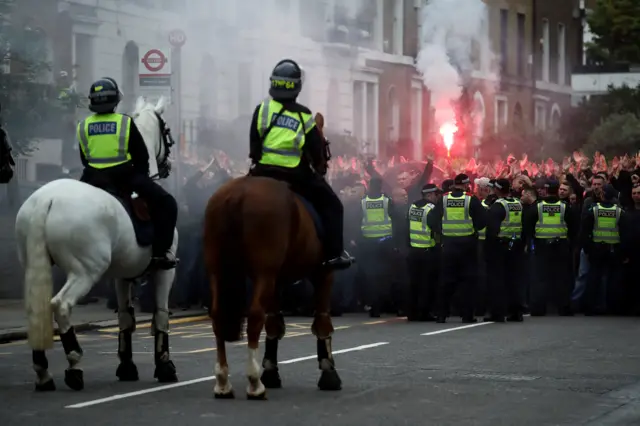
(283, 140)
(458, 216)
(505, 251)
(600, 240)
(115, 158)
(376, 244)
(423, 260)
(549, 225)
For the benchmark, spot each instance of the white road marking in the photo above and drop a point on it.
(462, 327)
(206, 379)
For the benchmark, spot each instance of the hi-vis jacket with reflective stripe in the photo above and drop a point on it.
(551, 222)
(605, 224)
(482, 234)
(456, 220)
(419, 232)
(511, 226)
(104, 139)
(283, 144)
(376, 222)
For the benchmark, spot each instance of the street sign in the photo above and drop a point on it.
(154, 74)
(177, 38)
(154, 60)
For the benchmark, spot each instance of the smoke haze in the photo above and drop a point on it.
(452, 33)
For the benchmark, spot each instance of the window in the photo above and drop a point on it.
(504, 37)
(521, 44)
(313, 19)
(365, 105)
(545, 50)
(416, 122)
(561, 54)
(541, 116)
(502, 111)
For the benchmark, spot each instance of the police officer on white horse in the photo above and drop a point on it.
(115, 158)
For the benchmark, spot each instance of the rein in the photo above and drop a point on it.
(164, 163)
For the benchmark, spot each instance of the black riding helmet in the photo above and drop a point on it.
(286, 81)
(104, 96)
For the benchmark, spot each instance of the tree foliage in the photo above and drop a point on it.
(577, 125)
(615, 25)
(26, 93)
(618, 134)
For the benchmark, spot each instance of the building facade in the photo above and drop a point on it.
(358, 63)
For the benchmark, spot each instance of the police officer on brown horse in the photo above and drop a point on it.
(284, 143)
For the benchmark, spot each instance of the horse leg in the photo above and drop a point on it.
(275, 329)
(76, 287)
(165, 370)
(322, 328)
(222, 388)
(127, 370)
(262, 288)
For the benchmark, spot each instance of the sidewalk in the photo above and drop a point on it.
(13, 319)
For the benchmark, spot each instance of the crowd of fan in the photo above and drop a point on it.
(582, 182)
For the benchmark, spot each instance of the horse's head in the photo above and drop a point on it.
(323, 164)
(156, 135)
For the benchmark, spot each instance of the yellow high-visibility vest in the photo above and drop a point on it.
(376, 222)
(282, 146)
(104, 139)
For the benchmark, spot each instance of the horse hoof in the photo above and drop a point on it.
(222, 395)
(166, 372)
(262, 396)
(271, 379)
(127, 372)
(74, 379)
(330, 381)
(47, 386)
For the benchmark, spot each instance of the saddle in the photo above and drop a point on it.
(315, 216)
(138, 211)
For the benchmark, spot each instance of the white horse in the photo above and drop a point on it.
(88, 233)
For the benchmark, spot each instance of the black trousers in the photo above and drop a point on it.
(459, 268)
(424, 267)
(163, 208)
(603, 279)
(506, 292)
(317, 191)
(554, 277)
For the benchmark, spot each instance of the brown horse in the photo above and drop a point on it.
(257, 229)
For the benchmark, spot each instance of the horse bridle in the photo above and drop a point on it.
(164, 164)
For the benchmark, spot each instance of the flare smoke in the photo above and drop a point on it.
(449, 29)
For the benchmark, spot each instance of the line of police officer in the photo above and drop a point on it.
(446, 229)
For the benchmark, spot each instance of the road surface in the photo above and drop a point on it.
(546, 371)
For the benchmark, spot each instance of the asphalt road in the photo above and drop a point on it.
(545, 371)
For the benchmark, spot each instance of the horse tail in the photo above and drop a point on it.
(38, 279)
(232, 280)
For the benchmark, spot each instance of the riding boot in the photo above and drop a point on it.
(336, 257)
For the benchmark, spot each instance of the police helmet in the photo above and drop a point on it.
(286, 80)
(104, 96)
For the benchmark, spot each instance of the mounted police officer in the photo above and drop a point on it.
(115, 158)
(284, 141)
